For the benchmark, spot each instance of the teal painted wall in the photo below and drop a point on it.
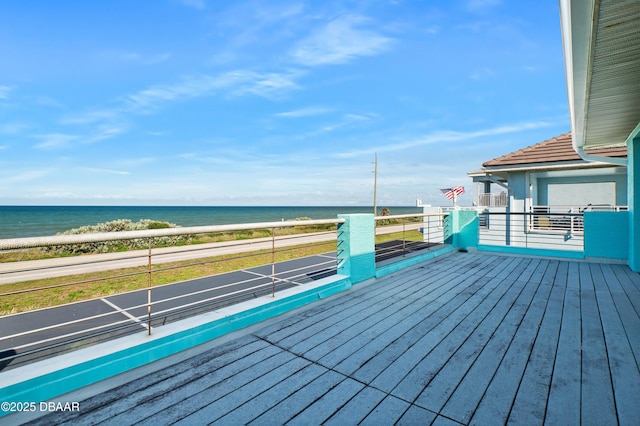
(528, 251)
(356, 247)
(606, 235)
(633, 179)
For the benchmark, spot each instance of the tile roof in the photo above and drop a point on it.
(553, 150)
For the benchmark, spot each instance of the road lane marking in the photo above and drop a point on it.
(270, 276)
(125, 313)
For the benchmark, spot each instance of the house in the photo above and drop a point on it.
(551, 173)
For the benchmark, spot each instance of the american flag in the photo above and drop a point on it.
(452, 192)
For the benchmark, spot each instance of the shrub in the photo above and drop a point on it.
(118, 225)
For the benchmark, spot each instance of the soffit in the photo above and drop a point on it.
(612, 109)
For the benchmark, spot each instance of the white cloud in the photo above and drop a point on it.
(12, 128)
(239, 82)
(107, 171)
(24, 176)
(55, 140)
(4, 92)
(340, 41)
(132, 57)
(105, 132)
(89, 117)
(304, 112)
(482, 74)
(447, 137)
(267, 85)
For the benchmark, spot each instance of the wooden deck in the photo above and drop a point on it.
(466, 338)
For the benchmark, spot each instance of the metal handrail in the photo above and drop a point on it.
(403, 246)
(32, 242)
(241, 289)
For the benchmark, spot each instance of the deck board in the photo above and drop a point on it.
(597, 396)
(496, 403)
(531, 399)
(464, 401)
(563, 405)
(468, 338)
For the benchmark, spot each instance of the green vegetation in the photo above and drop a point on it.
(60, 290)
(118, 225)
(25, 296)
(128, 225)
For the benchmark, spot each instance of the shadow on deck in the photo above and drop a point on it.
(467, 338)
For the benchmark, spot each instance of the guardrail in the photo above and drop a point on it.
(406, 234)
(150, 304)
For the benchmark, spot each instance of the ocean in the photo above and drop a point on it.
(33, 221)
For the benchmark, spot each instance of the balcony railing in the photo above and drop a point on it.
(152, 281)
(94, 298)
(492, 200)
(539, 228)
(402, 235)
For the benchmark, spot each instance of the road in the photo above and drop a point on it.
(35, 335)
(13, 272)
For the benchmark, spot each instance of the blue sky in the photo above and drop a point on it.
(202, 102)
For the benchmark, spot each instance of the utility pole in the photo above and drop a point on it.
(375, 185)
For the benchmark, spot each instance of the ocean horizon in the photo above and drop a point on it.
(33, 221)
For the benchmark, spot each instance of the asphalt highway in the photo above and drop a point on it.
(34, 335)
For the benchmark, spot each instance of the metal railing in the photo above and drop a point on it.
(401, 235)
(492, 200)
(538, 228)
(124, 292)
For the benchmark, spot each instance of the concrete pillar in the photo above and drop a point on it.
(356, 247)
(464, 228)
(633, 198)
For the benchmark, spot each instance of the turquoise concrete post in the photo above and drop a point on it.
(356, 247)
(606, 235)
(464, 228)
(633, 197)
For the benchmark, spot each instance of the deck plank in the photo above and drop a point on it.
(325, 406)
(573, 276)
(440, 388)
(628, 313)
(623, 366)
(496, 403)
(531, 399)
(425, 308)
(257, 406)
(357, 408)
(563, 404)
(395, 360)
(464, 401)
(402, 366)
(597, 392)
(285, 410)
(419, 377)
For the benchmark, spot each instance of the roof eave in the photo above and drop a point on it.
(586, 24)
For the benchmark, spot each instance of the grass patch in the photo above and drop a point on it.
(57, 291)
